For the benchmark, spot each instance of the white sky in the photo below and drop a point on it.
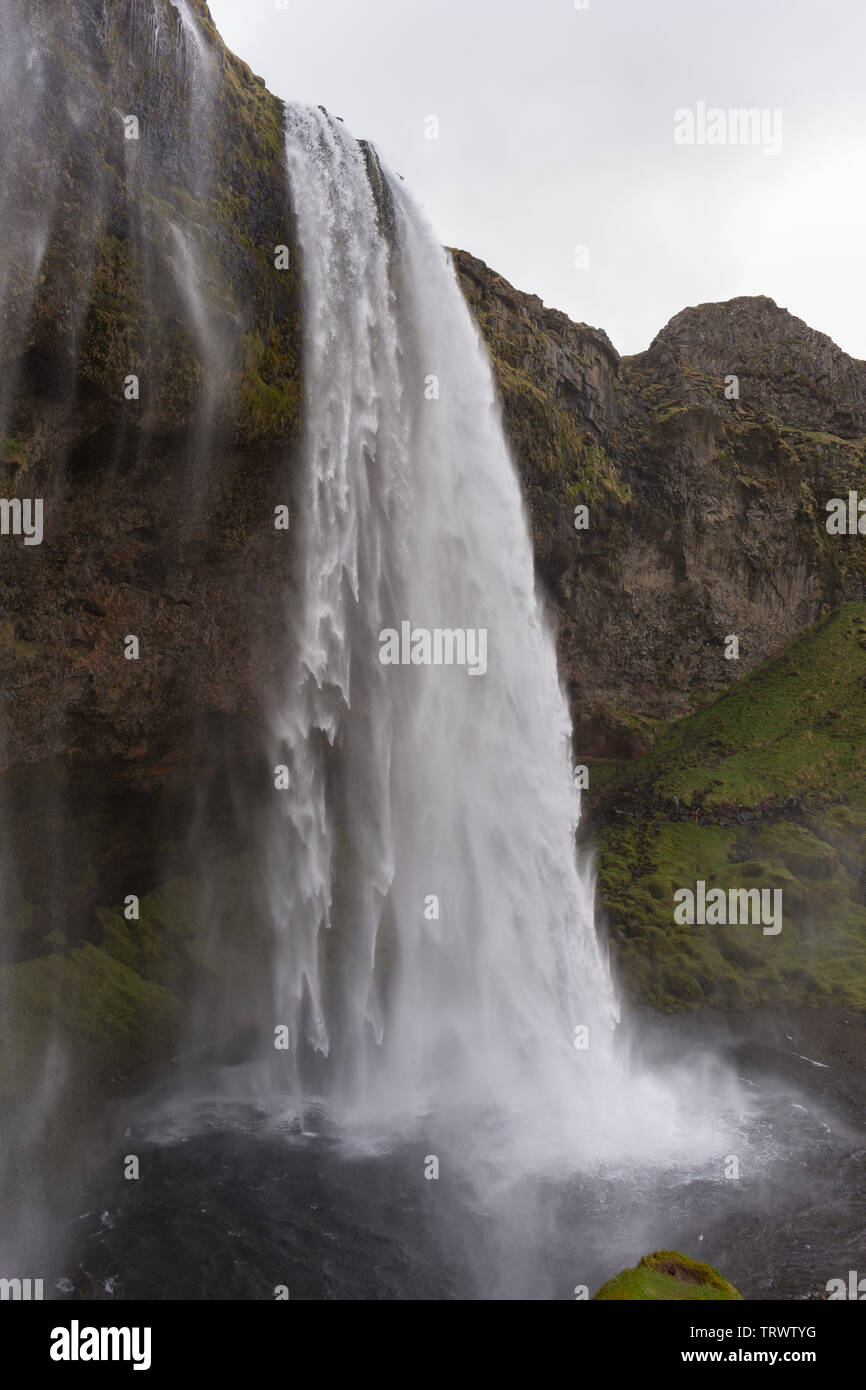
(556, 129)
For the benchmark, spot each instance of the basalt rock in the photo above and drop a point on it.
(706, 464)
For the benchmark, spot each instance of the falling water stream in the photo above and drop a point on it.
(453, 1110)
(442, 1100)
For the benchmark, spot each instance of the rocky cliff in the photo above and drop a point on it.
(151, 397)
(706, 515)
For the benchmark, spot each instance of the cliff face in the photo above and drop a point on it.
(707, 518)
(706, 514)
(152, 260)
(150, 397)
(788, 370)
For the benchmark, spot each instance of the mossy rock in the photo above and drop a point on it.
(107, 1020)
(668, 1276)
(767, 737)
(115, 1007)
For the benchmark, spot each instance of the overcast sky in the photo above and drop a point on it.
(556, 130)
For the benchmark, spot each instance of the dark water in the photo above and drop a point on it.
(231, 1203)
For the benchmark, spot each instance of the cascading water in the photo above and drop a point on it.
(450, 785)
(436, 951)
(413, 916)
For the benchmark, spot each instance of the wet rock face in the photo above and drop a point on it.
(706, 497)
(150, 397)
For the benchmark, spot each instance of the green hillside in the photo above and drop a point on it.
(795, 726)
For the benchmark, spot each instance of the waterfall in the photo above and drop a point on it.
(365, 935)
(435, 939)
(413, 922)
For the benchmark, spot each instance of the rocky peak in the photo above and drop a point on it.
(785, 368)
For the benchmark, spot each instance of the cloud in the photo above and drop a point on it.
(556, 128)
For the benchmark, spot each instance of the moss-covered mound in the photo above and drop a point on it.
(114, 1007)
(667, 1276)
(794, 728)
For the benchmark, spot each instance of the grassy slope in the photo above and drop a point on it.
(668, 1276)
(796, 724)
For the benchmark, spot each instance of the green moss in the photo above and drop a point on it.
(667, 1276)
(270, 387)
(106, 1018)
(796, 724)
(553, 442)
(116, 1004)
(14, 454)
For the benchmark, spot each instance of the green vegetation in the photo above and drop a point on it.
(665, 1276)
(111, 291)
(14, 453)
(554, 441)
(115, 1005)
(270, 384)
(795, 725)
